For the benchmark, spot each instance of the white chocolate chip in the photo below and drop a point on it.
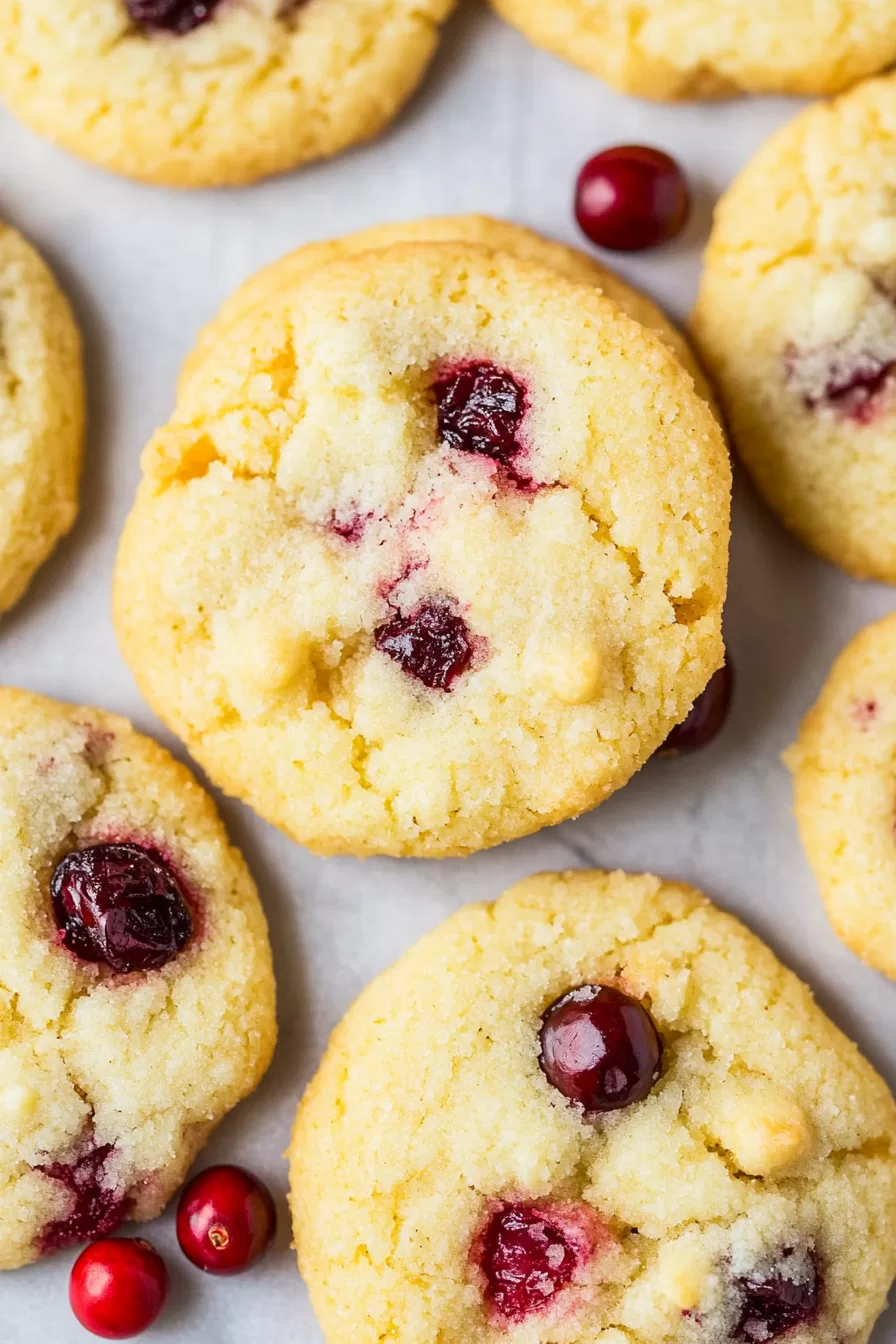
(683, 1271)
(838, 302)
(574, 674)
(763, 1128)
(18, 1101)
(877, 241)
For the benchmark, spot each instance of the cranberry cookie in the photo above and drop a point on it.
(41, 414)
(136, 990)
(430, 555)
(796, 319)
(210, 92)
(598, 1110)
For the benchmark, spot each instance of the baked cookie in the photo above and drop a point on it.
(210, 92)
(136, 990)
(598, 1110)
(430, 556)
(843, 764)
(268, 285)
(669, 49)
(41, 414)
(796, 319)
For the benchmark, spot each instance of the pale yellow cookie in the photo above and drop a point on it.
(844, 765)
(136, 989)
(209, 92)
(430, 556)
(448, 1188)
(41, 414)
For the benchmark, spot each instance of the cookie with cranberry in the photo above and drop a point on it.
(796, 319)
(702, 49)
(843, 765)
(41, 414)
(599, 1109)
(210, 92)
(430, 555)
(136, 990)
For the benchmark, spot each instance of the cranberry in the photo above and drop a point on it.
(631, 197)
(118, 1287)
(95, 1211)
(526, 1259)
(855, 385)
(600, 1048)
(706, 716)
(480, 410)
(772, 1304)
(120, 904)
(171, 16)
(433, 644)
(226, 1220)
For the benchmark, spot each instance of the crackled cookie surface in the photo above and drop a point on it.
(707, 49)
(796, 319)
(223, 91)
(136, 990)
(41, 414)
(599, 1109)
(843, 764)
(429, 557)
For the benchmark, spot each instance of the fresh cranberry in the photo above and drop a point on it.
(95, 1209)
(526, 1259)
(226, 1220)
(171, 16)
(855, 386)
(433, 644)
(706, 716)
(631, 197)
(118, 1287)
(600, 1048)
(772, 1304)
(480, 410)
(120, 904)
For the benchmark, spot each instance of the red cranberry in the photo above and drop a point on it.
(433, 644)
(631, 197)
(600, 1048)
(122, 905)
(226, 1220)
(856, 383)
(772, 1304)
(526, 1259)
(171, 16)
(707, 714)
(480, 410)
(117, 1288)
(95, 1209)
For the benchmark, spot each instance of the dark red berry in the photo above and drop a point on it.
(226, 1220)
(96, 1209)
(122, 905)
(433, 644)
(526, 1258)
(855, 385)
(171, 16)
(631, 197)
(707, 714)
(480, 410)
(773, 1303)
(600, 1048)
(118, 1287)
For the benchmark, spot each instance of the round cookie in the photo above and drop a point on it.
(796, 319)
(224, 91)
(669, 49)
(429, 557)
(136, 989)
(447, 1188)
(41, 414)
(268, 284)
(843, 765)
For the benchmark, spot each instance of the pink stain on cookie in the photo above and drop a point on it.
(96, 1208)
(863, 713)
(97, 742)
(350, 526)
(481, 409)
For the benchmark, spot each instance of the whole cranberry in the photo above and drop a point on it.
(707, 715)
(631, 197)
(600, 1048)
(226, 1220)
(118, 1287)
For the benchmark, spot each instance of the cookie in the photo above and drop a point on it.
(671, 49)
(223, 91)
(843, 764)
(599, 1109)
(796, 320)
(499, 235)
(136, 990)
(430, 556)
(41, 414)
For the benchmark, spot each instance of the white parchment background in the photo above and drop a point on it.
(498, 127)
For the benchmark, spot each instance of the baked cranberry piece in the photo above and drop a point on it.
(96, 1210)
(855, 390)
(773, 1303)
(171, 16)
(600, 1048)
(122, 905)
(117, 1288)
(631, 197)
(433, 644)
(526, 1258)
(706, 717)
(480, 410)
